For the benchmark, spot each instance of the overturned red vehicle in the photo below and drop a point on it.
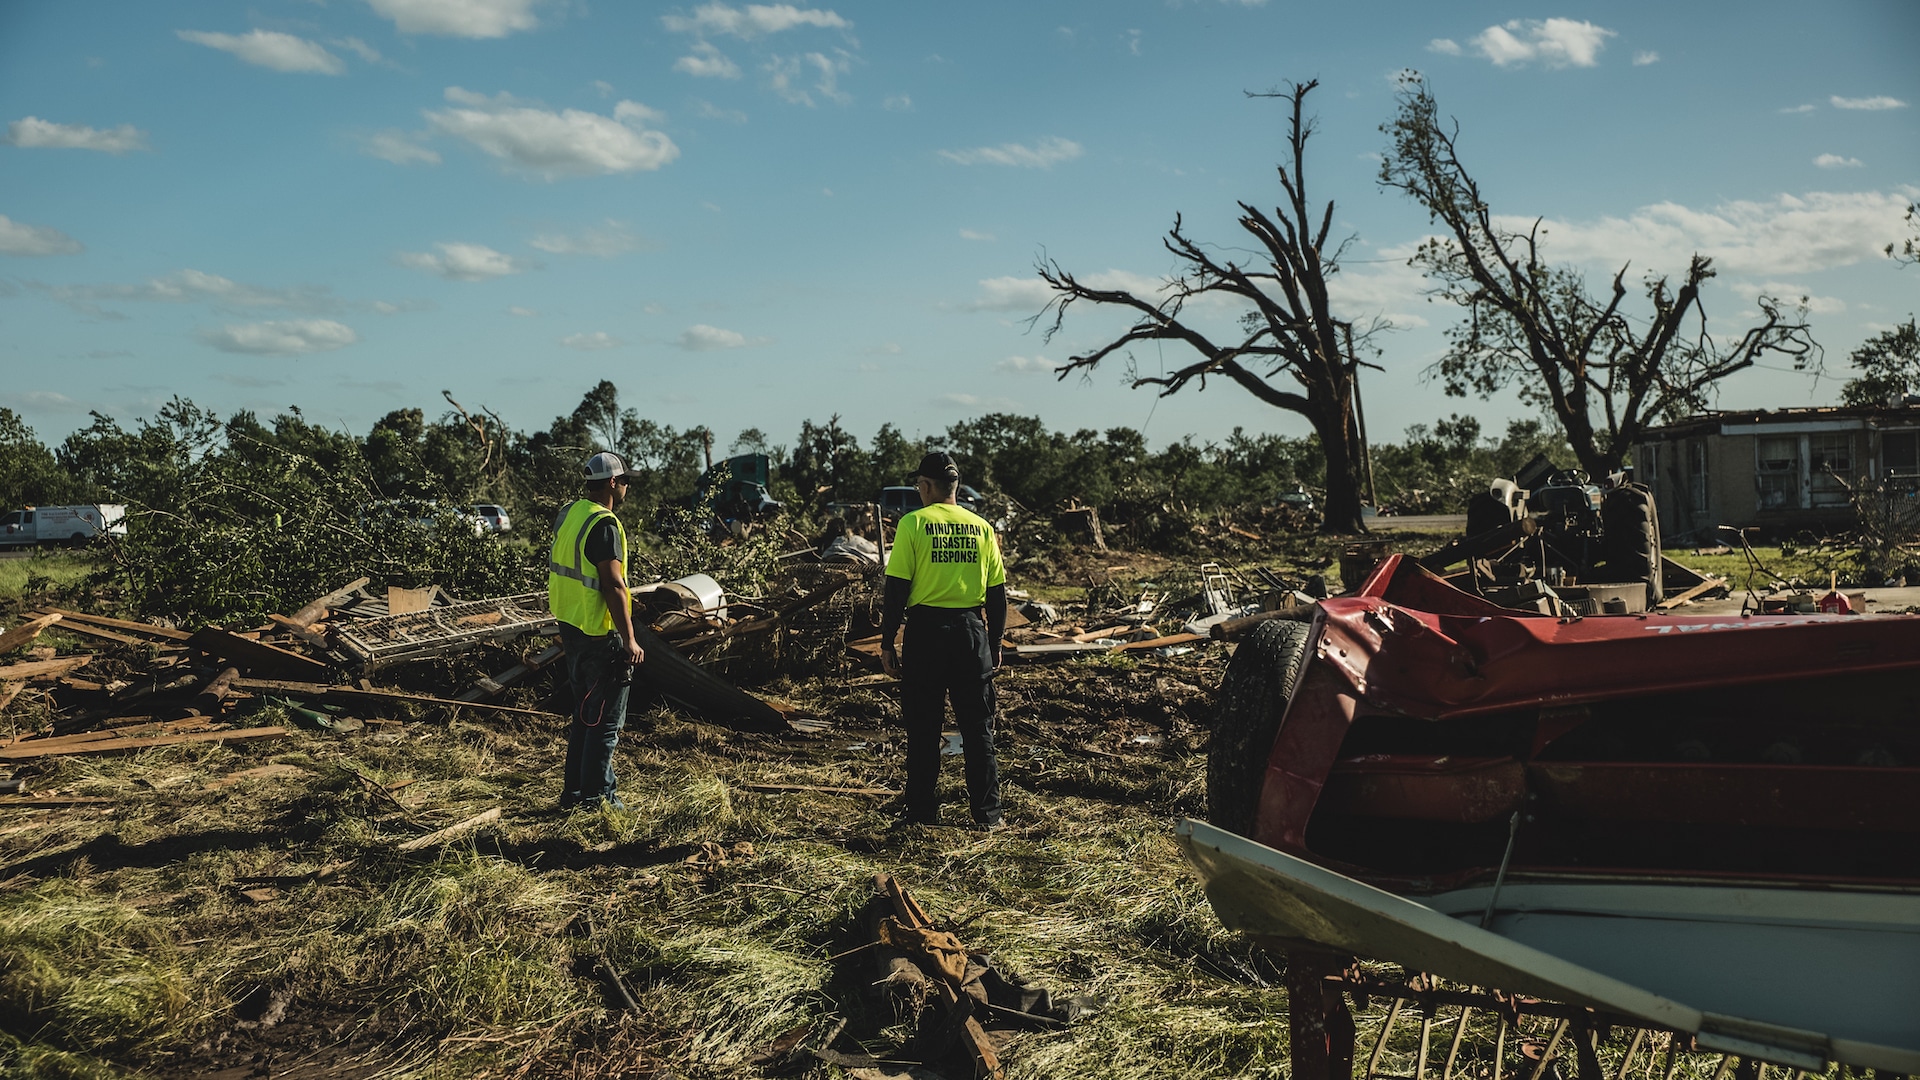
(1702, 821)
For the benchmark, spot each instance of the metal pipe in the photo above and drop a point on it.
(1500, 878)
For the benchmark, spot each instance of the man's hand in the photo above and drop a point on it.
(996, 658)
(635, 654)
(889, 663)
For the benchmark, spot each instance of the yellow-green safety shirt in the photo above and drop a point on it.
(573, 583)
(949, 553)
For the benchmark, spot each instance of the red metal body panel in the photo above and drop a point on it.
(1409, 645)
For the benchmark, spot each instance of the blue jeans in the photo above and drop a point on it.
(594, 665)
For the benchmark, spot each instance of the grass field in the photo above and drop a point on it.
(44, 569)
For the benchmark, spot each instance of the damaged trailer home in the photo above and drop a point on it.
(1697, 824)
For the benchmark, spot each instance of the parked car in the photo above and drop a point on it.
(898, 502)
(62, 524)
(1297, 500)
(427, 514)
(489, 517)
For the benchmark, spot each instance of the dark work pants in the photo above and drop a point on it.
(599, 712)
(946, 656)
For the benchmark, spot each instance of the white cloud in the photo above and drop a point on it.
(1782, 235)
(1835, 161)
(974, 234)
(607, 239)
(1444, 46)
(399, 147)
(523, 312)
(703, 338)
(784, 71)
(1556, 43)
(195, 286)
(289, 338)
(1791, 293)
(1044, 154)
(603, 87)
(1645, 57)
(556, 143)
(1025, 294)
(1871, 104)
(707, 110)
(1795, 109)
(707, 62)
(1026, 365)
(975, 401)
(462, 262)
(32, 131)
(270, 49)
(897, 103)
(19, 238)
(599, 339)
(1133, 42)
(360, 48)
(458, 18)
(752, 21)
(386, 307)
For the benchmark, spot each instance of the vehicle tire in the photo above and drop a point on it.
(1633, 538)
(1253, 697)
(77, 540)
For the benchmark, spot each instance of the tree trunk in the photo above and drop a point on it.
(1341, 514)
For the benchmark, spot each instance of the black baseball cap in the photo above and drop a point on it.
(938, 466)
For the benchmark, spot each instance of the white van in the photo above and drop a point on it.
(61, 524)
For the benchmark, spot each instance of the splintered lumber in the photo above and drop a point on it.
(44, 669)
(51, 748)
(318, 609)
(254, 655)
(9, 690)
(25, 632)
(420, 843)
(350, 693)
(144, 629)
(715, 699)
(1705, 586)
(492, 686)
(75, 626)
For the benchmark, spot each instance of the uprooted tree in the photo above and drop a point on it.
(1288, 334)
(1535, 327)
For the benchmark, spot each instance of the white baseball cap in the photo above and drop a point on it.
(605, 466)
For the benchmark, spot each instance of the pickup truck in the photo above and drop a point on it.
(61, 524)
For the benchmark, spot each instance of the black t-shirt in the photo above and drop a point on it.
(603, 538)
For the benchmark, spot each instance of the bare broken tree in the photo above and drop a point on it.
(1606, 376)
(1290, 333)
(1907, 252)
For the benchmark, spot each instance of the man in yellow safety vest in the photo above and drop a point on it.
(587, 591)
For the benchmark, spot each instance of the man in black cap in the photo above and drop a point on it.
(945, 578)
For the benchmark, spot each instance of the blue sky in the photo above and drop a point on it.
(750, 215)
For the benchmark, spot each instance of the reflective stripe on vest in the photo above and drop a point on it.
(573, 584)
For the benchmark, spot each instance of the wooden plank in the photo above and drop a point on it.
(491, 687)
(407, 601)
(120, 624)
(349, 693)
(25, 632)
(172, 727)
(1160, 642)
(318, 609)
(75, 626)
(451, 832)
(255, 655)
(1676, 600)
(41, 669)
(1105, 632)
(28, 751)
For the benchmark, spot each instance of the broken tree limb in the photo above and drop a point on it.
(29, 750)
(458, 829)
(1160, 642)
(254, 655)
(42, 669)
(25, 633)
(318, 609)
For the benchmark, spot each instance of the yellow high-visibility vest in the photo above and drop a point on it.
(573, 583)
